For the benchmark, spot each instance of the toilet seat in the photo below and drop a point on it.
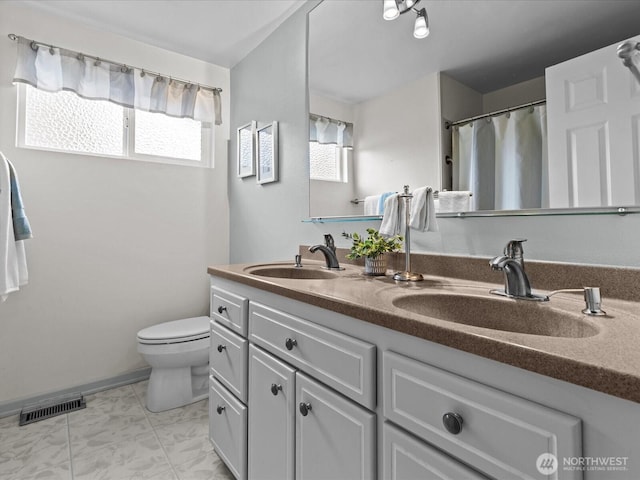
(176, 331)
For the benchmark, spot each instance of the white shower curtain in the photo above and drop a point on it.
(502, 160)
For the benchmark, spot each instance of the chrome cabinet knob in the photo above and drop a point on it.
(452, 422)
(221, 309)
(220, 409)
(290, 343)
(275, 388)
(221, 348)
(305, 408)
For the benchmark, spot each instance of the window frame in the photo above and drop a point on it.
(128, 138)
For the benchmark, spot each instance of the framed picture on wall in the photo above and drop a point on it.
(247, 150)
(267, 153)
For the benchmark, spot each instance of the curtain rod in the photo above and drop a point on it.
(315, 116)
(15, 37)
(493, 114)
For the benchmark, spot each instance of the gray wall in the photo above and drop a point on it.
(271, 84)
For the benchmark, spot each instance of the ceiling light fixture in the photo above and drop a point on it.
(392, 9)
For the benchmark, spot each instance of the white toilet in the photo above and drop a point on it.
(178, 353)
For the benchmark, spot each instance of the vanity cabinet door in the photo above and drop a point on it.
(335, 437)
(271, 417)
(407, 458)
(228, 428)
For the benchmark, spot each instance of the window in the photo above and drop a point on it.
(328, 162)
(63, 121)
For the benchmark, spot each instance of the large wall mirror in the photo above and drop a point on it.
(393, 93)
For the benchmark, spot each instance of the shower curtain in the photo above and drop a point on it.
(502, 160)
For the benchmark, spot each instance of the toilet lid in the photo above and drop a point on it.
(184, 330)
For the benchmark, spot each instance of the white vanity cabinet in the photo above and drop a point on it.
(293, 399)
(328, 435)
(333, 397)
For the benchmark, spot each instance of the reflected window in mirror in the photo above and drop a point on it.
(328, 162)
(330, 146)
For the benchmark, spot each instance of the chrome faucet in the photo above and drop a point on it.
(516, 281)
(329, 252)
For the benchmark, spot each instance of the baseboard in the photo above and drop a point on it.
(13, 407)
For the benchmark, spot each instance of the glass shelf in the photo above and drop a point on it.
(495, 213)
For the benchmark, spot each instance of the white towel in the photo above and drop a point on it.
(371, 205)
(393, 218)
(13, 264)
(423, 212)
(454, 201)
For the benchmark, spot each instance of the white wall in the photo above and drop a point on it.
(514, 95)
(396, 139)
(118, 245)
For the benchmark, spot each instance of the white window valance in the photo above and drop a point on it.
(53, 69)
(325, 130)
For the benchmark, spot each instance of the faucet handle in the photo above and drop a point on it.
(514, 250)
(328, 241)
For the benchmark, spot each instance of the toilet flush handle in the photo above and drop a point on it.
(221, 309)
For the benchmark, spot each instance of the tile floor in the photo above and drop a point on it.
(114, 438)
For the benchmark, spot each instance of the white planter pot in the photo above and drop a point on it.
(375, 266)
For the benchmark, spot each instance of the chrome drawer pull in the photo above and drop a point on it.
(220, 409)
(305, 408)
(290, 343)
(221, 348)
(452, 422)
(221, 309)
(275, 388)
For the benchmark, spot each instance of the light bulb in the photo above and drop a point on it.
(421, 27)
(390, 10)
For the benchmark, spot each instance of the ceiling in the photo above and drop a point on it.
(486, 44)
(355, 54)
(221, 32)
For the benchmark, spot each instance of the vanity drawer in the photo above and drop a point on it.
(407, 458)
(338, 360)
(501, 435)
(228, 359)
(230, 310)
(228, 428)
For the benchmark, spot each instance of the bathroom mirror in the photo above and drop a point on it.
(374, 73)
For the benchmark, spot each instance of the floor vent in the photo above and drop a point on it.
(51, 408)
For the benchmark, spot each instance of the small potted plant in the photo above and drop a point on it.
(373, 249)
